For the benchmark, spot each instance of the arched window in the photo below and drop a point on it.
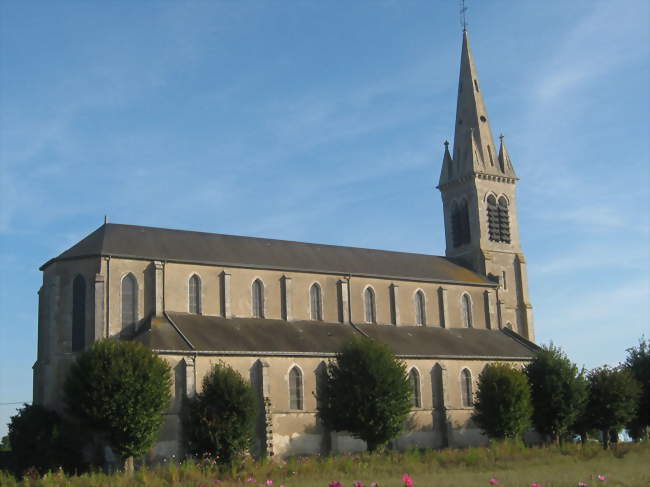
(420, 309)
(78, 313)
(498, 219)
(460, 232)
(295, 388)
(466, 394)
(466, 304)
(369, 305)
(414, 379)
(257, 301)
(316, 302)
(129, 301)
(504, 220)
(194, 297)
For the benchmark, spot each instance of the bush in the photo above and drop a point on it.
(613, 400)
(502, 407)
(558, 392)
(220, 420)
(366, 392)
(41, 439)
(638, 363)
(121, 390)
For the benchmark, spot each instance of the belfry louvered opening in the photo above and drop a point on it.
(498, 219)
(460, 224)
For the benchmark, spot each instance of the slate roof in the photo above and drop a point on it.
(190, 333)
(150, 243)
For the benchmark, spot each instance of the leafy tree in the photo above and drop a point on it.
(220, 420)
(502, 407)
(41, 439)
(121, 390)
(558, 392)
(366, 392)
(638, 363)
(613, 398)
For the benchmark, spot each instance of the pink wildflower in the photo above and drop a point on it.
(408, 481)
(374, 484)
(335, 483)
(602, 478)
(493, 481)
(269, 482)
(251, 480)
(583, 484)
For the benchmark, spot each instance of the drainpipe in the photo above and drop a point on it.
(348, 278)
(108, 295)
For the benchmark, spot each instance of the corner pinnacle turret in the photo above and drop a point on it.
(474, 151)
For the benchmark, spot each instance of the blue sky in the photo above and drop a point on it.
(324, 122)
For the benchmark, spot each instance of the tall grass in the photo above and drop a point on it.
(511, 464)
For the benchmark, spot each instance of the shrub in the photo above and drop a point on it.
(502, 407)
(121, 390)
(220, 420)
(638, 363)
(366, 392)
(558, 392)
(613, 400)
(40, 438)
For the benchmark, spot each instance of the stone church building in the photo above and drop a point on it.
(277, 311)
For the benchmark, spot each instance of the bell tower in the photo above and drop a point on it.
(477, 184)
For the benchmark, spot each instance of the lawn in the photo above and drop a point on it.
(507, 464)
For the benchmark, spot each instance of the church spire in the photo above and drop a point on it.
(474, 150)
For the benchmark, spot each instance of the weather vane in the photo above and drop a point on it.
(463, 18)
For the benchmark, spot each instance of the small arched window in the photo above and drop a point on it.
(466, 304)
(194, 297)
(460, 232)
(257, 301)
(78, 313)
(295, 388)
(129, 301)
(369, 305)
(316, 302)
(416, 397)
(466, 394)
(420, 309)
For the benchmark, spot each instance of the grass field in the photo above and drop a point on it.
(510, 465)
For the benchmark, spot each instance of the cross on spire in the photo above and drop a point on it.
(463, 17)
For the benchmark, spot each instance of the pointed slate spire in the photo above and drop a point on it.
(474, 150)
(505, 165)
(447, 171)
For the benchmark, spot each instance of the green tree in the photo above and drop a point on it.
(558, 392)
(613, 400)
(502, 407)
(121, 390)
(366, 392)
(220, 420)
(41, 438)
(638, 363)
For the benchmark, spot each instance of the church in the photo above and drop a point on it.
(277, 311)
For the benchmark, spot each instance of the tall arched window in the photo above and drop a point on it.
(316, 302)
(295, 388)
(420, 309)
(257, 301)
(498, 219)
(369, 305)
(504, 220)
(466, 394)
(194, 295)
(78, 313)
(460, 232)
(129, 301)
(466, 304)
(414, 379)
